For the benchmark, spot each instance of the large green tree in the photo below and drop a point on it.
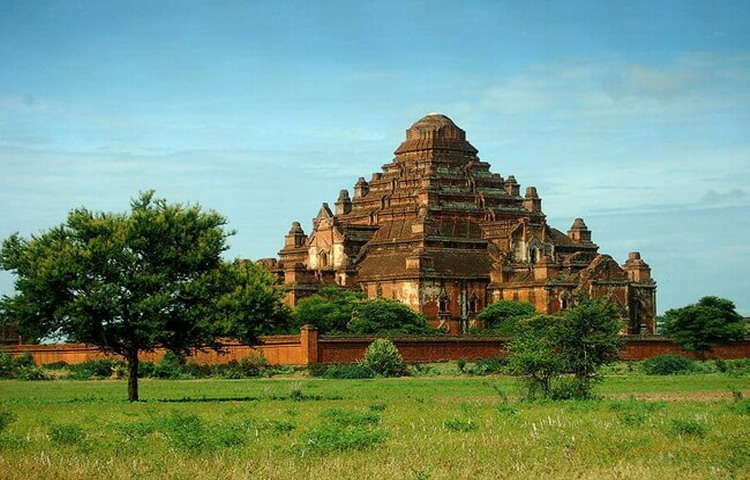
(574, 343)
(132, 282)
(701, 326)
(330, 309)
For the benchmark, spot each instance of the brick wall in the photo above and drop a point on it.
(307, 348)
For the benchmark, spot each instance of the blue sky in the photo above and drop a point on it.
(633, 115)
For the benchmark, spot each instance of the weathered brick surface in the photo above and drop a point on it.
(307, 348)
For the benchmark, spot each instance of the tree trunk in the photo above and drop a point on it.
(132, 358)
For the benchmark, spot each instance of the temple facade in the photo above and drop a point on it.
(439, 232)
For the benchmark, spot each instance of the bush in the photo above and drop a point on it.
(24, 360)
(6, 418)
(146, 369)
(347, 418)
(32, 374)
(387, 317)
(7, 367)
(487, 366)
(344, 370)
(253, 366)
(103, 368)
(66, 434)
(55, 366)
(459, 425)
(383, 358)
(689, 427)
(170, 366)
(330, 438)
(501, 318)
(667, 365)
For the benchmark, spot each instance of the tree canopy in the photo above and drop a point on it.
(577, 341)
(380, 316)
(330, 309)
(701, 326)
(132, 282)
(501, 318)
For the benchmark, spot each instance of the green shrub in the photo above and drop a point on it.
(7, 367)
(103, 368)
(331, 438)
(739, 367)
(6, 418)
(146, 369)
(506, 408)
(32, 373)
(460, 425)
(741, 406)
(170, 366)
(668, 365)
(344, 370)
(689, 427)
(387, 317)
(383, 358)
(24, 360)
(347, 418)
(461, 364)
(253, 366)
(66, 434)
(487, 366)
(501, 318)
(632, 418)
(55, 366)
(329, 310)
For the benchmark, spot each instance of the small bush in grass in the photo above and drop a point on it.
(253, 366)
(668, 365)
(347, 418)
(344, 370)
(505, 408)
(487, 366)
(460, 425)
(741, 406)
(377, 407)
(331, 438)
(689, 427)
(6, 418)
(296, 394)
(280, 426)
(461, 364)
(66, 434)
(632, 418)
(383, 358)
(32, 373)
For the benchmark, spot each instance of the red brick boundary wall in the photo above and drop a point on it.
(308, 348)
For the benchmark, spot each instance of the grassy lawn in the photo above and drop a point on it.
(413, 428)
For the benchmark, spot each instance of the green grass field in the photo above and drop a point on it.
(412, 428)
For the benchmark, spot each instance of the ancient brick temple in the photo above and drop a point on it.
(439, 232)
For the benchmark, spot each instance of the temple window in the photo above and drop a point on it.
(474, 303)
(443, 302)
